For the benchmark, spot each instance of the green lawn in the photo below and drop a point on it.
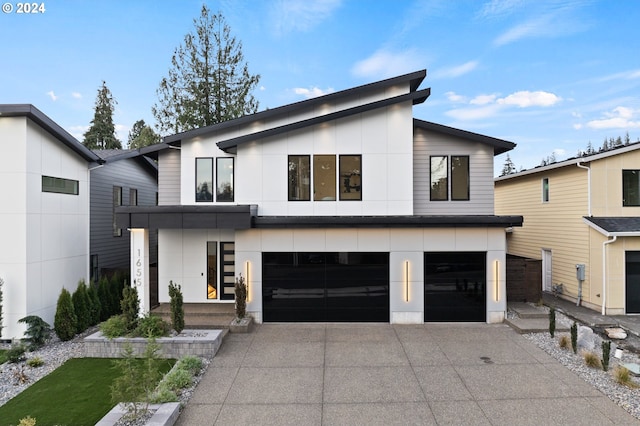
(75, 394)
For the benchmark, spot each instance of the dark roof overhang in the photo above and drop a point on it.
(414, 79)
(230, 145)
(38, 117)
(499, 145)
(387, 221)
(615, 226)
(186, 217)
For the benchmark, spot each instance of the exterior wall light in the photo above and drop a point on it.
(247, 266)
(497, 281)
(406, 280)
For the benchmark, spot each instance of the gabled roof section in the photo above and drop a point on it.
(38, 117)
(499, 145)
(113, 155)
(615, 226)
(414, 79)
(575, 160)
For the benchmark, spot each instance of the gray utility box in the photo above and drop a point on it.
(580, 271)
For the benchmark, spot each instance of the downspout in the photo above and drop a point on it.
(588, 185)
(604, 271)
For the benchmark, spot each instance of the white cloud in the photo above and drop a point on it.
(483, 99)
(454, 97)
(456, 71)
(301, 15)
(52, 95)
(312, 92)
(577, 126)
(78, 131)
(262, 88)
(464, 114)
(619, 118)
(495, 8)
(76, 95)
(559, 152)
(525, 99)
(384, 63)
(625, 75)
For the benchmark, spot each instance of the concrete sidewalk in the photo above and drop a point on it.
(381, 374)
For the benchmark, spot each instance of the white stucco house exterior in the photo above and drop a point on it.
(338, 208)
(44, 219)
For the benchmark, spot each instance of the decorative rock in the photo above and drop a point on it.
(616, 333)
(586, 338)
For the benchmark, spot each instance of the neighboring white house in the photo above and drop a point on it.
(44, 216)
(338, 208)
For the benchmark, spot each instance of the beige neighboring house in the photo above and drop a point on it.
(582, 211)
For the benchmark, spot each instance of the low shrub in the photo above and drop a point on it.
(591, 359)
(177, 379)
(152, 326)
(130, 305)
(38, 331)
(622, 376)
(163, 394)
(16, 353)
(116, 326)
(564, 342)
(35, 362)
(27, 421)
(193, 364)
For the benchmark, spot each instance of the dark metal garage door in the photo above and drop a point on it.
(321, 286)
(454, 286)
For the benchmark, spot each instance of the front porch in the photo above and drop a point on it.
(200, 315)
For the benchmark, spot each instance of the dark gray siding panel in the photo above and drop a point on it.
(113, 252)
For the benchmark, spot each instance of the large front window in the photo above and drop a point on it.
(439, 178)
(299, 182)
(631, 188)
(460, 177)
(324, 177)
(350, 177)
(204, 179)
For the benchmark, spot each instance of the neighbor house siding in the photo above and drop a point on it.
(480, 155)
(556, 225)
(606, 184)
(169, 178)
(113, 252)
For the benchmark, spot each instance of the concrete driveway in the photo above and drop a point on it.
(381, 374)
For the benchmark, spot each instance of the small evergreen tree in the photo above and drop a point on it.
(104, 295)
(606, 354)
(552, 322)
(38, 331)
(65, 321)
(177, 310)
(92, 294)
(574, 338)
(81, 307)
(130, 307)
(241, 297)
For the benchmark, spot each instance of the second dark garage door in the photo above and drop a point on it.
(325, 286)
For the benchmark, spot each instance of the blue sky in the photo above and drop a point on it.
(549, 75)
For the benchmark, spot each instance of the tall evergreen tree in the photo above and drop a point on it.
(509, 167)
(142, 135)
(102, 133)
(208, 82)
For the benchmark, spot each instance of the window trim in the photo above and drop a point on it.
(625, 203)
(446, 168)
(289, 177)
(196, 180)
(55, 189)
(468, 196)
(545, 190)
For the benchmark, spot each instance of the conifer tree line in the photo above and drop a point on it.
(609, 143)
(208, 82)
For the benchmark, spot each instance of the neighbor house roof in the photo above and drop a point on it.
(38, 117)
(499, 145)
(113, 155)
(615, 226)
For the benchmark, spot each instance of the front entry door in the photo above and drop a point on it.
(632, 286)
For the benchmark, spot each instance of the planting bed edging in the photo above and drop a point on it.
(164, 415)
(203, 343)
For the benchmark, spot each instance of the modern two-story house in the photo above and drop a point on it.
(582, 219)
(338, 208)
(44, 216)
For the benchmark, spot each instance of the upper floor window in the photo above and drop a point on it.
(545, 190)
(441, 174)
(299, 180)
(631, 188)
(324, 177)
(351, 177)
(204, 179)
(59, 185)
(224, 179)
(460, 177)
(439, 178)
(133, 197)
(117, 202)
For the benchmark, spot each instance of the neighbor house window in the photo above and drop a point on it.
(133, 197)
(631, 188)
(117, 202)
(350, 177)
(59, 185)
(460, 177)
(545, 190)
(324, 177)
(299, 181)
(439, 178)
(224, 179)
(204, 179)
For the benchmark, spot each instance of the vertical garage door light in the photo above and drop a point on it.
(406, 280)
(246, 266)
(497, 283)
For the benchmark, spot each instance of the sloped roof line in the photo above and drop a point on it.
(415, 97)
(414, 79)
(499, 145)
(42, 120)
(615, 226)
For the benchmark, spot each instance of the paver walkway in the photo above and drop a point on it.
(381, 374)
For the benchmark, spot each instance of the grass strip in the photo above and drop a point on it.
(77, 393)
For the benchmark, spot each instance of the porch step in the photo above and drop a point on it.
(532, 325)
(527, 311)
(201, 315)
